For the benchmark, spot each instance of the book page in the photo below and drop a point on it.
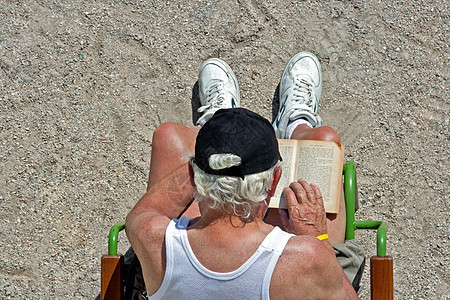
(321, 163)
(288, 154)
(317, 162)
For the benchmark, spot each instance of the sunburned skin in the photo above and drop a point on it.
(220, 243)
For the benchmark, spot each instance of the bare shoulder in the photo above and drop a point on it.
(146, 230)
(307, 269)
(307, 253)
(146, 233)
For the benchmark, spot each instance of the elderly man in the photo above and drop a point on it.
(219, 245)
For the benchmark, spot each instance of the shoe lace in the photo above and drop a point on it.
(214, 97)
(302, 92)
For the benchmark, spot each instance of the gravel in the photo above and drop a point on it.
(83, 84)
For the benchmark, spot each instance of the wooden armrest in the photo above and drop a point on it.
(382, 277)
(111, 278)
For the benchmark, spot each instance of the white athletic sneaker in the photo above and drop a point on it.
(300, 89)
(218, 88)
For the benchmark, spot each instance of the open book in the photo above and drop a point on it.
(317, 162)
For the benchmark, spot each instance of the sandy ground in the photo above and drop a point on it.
(83, 84)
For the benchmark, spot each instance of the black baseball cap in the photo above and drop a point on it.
(240, 132)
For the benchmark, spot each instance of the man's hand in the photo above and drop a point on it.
(306, 213)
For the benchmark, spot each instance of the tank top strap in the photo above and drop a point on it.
(276, 240)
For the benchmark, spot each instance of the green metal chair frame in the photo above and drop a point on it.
(352, 204)
(114, 237)
(381, 265)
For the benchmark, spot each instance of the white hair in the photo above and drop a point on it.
(228, 194)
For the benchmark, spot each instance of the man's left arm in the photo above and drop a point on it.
(165, 200)
(147, 222)
(171, 195)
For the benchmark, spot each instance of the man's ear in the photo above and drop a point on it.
(275, 179)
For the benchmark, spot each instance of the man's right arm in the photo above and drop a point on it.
(306, 216)
(329, 267)
(309, 270)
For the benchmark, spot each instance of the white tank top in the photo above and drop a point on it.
(187, 278)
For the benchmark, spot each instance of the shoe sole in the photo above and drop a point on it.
(225, 66)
